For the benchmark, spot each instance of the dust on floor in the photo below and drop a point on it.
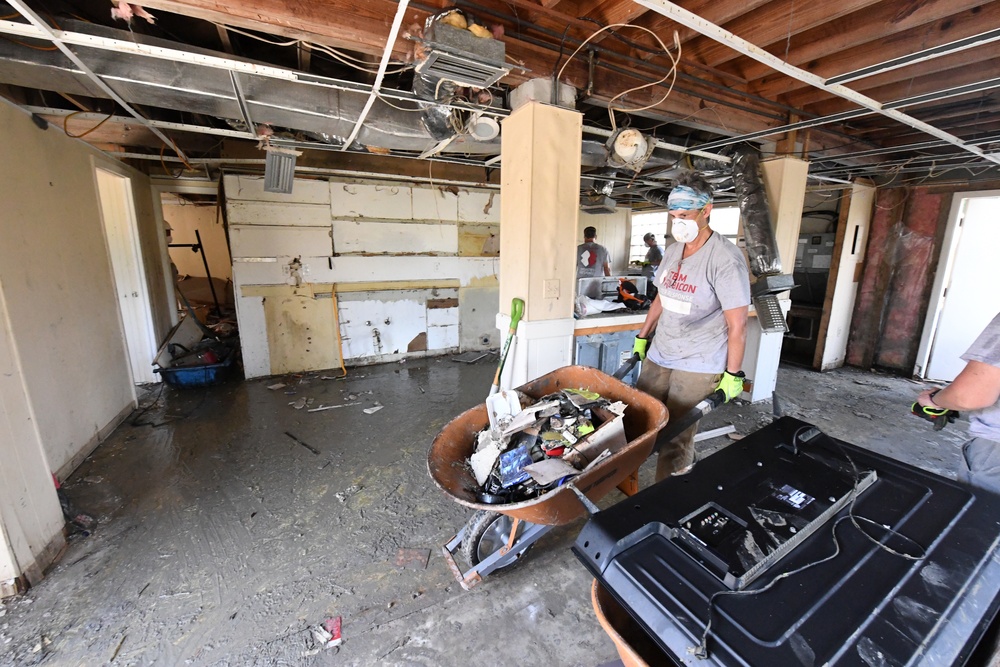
(224, 538)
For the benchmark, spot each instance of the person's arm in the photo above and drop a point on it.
(736, 345)
(977, 386)
(652, 317)
(607, 269)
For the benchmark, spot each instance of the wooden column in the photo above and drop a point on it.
(785, 183)
(540, 204)
(842, 284)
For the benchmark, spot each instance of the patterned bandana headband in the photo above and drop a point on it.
(683, 198)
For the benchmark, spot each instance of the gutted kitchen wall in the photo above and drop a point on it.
(903, 248)
(395, 270)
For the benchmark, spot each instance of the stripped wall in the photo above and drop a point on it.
(903, 249)
(396, 270)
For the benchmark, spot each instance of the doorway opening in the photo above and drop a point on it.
(961, 303)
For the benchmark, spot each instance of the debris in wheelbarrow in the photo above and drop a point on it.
(527, 451)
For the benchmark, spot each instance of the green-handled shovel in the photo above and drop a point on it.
(516, 312)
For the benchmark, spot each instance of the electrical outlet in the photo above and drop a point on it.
(551, 289)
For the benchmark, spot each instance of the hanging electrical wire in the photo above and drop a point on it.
(671, 73)
(341, 56)
(83, 134)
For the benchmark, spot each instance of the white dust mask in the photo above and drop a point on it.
(684, 231)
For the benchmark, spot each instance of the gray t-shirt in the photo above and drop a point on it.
(692, 334)
(985, 423)
(590, 260)
(653, 256)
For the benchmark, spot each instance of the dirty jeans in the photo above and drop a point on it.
(982, 464)
(680, 391)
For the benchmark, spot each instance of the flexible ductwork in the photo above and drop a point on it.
(436, 119)
(762, 246)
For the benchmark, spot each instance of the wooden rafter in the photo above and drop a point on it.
(874, 36)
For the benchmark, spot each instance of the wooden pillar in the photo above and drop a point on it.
(845, 274)
(540, 207)
(785, 184)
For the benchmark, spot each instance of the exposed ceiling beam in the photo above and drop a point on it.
(876, 35)
(773, 25)
(750, 50)
(361, 26)
(918, 57)
(905, 82)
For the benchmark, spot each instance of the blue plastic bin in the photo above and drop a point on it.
(197, 376)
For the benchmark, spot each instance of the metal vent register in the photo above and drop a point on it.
(460, 57)
(765, 301)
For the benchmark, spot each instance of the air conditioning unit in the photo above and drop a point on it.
(458, 56)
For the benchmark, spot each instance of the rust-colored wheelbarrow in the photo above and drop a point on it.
(498, 535)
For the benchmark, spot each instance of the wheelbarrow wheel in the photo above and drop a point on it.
(486, 533)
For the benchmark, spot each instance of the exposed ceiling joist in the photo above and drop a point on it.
(750, 50)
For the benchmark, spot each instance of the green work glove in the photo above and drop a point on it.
(639, 347)
(940, 417)
(731, 385)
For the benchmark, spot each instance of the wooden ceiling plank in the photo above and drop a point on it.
(711, 10)
(772, 26)
(913, 72)
(361, 26)
(959, 76)
(609, 12)
(882, 34)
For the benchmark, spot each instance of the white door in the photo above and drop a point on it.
(118, 213)
(971, 298)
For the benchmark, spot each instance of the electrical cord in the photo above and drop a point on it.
(701, 650)
(671, 73)
(83, 134)
(344, 58)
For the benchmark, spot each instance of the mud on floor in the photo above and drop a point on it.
(230, 523)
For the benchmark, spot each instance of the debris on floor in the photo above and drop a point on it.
(372, 410)
(328, 633)
(304, 444)
(471, 357)
(331, 407)
(413, 559)
(196, 355)
(276, 385)
(347, 493)
(528, 451)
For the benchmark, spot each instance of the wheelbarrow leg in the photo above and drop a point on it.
(498, 559)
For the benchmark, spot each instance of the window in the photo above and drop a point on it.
(643, 223)
(724, 220)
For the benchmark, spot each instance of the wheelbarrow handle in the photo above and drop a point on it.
(677, 426)
(627, 367)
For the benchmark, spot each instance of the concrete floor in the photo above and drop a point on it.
(222, 541)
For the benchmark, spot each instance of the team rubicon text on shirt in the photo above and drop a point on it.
(677, 281)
